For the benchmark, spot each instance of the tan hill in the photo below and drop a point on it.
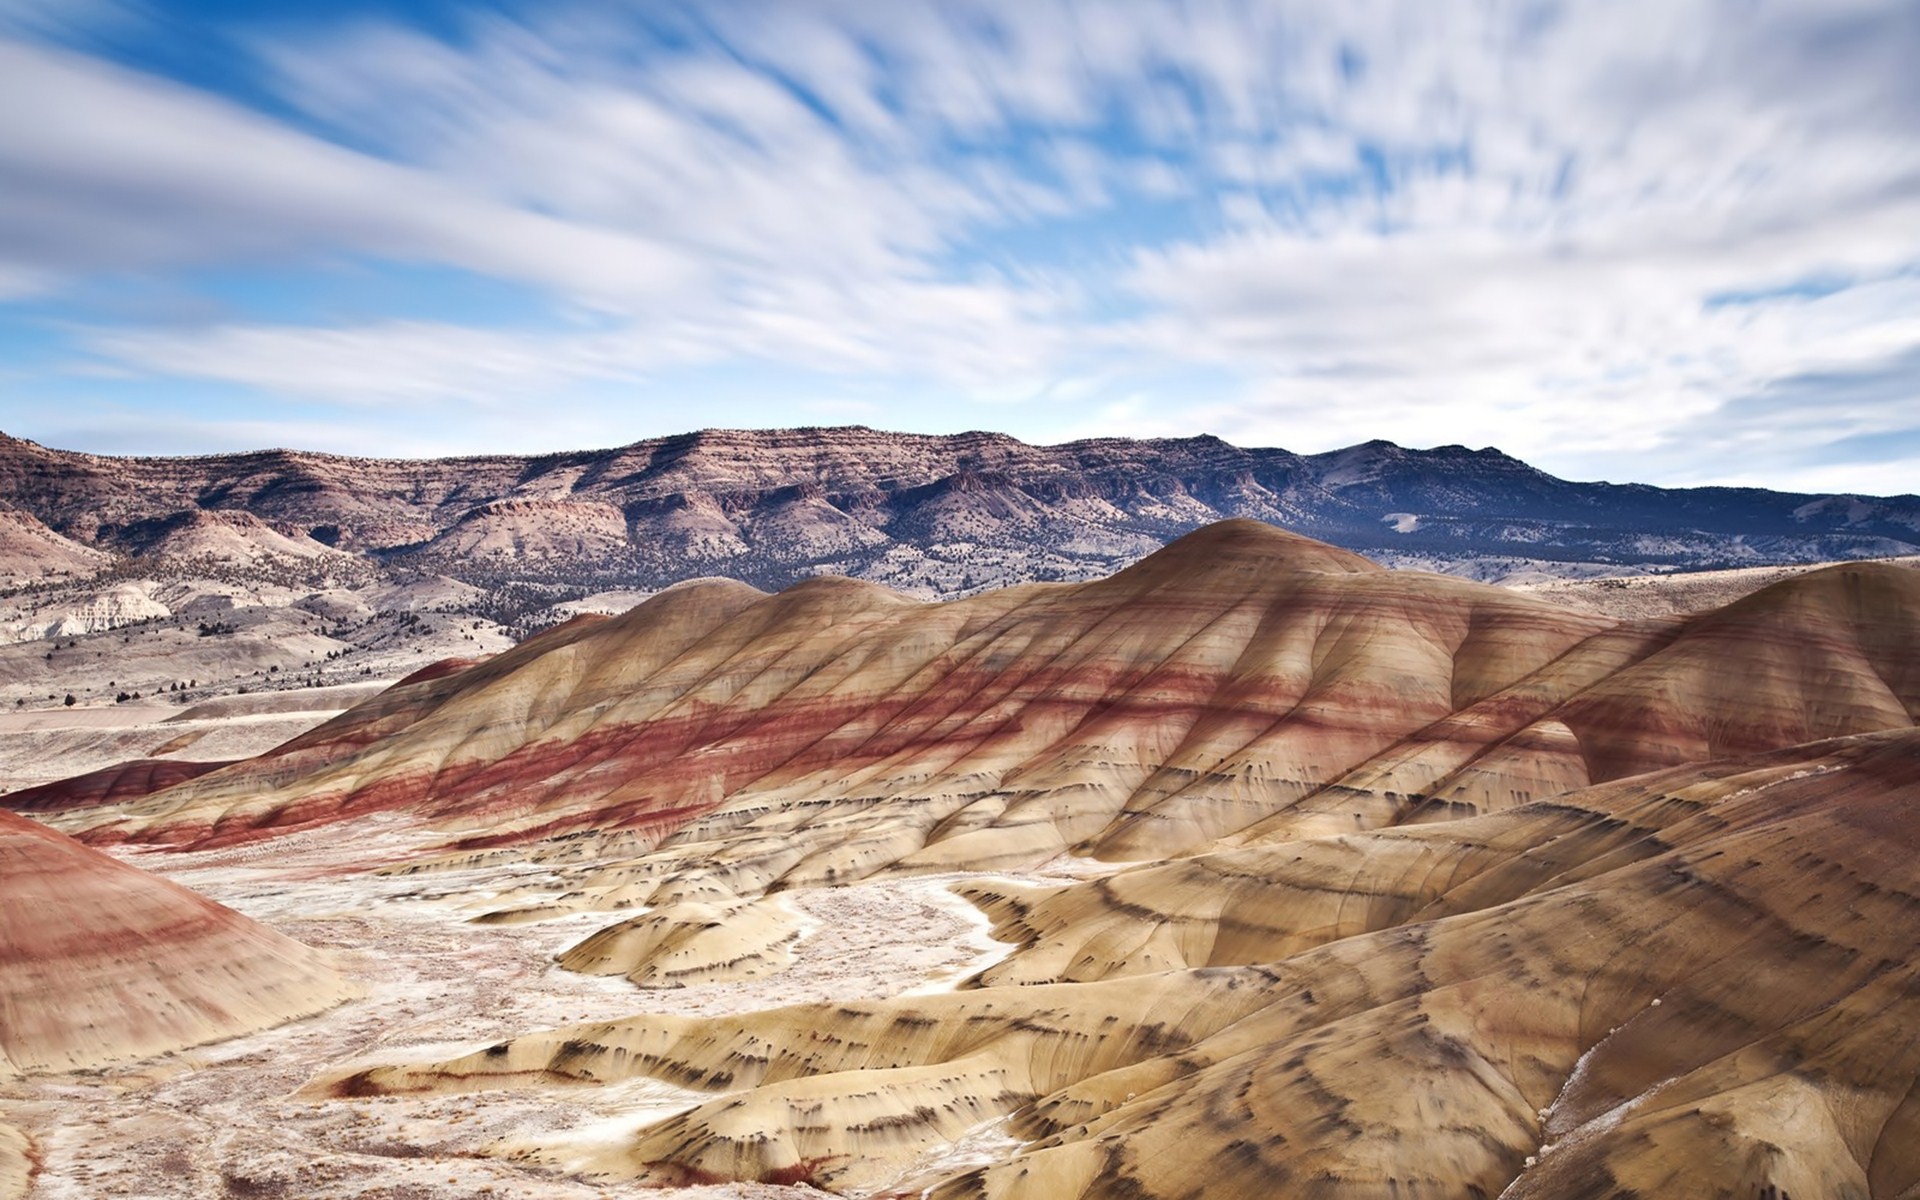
(1694, 983)
(220, 535)
(30, 551)
(101, 962)
(1639, 596)
(1243, 681)
(1355, 882)
(714, 693)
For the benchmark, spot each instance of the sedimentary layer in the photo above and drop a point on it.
(101, 962)
(1242, 684)
(1697, 983)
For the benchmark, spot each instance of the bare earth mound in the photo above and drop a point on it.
(1242, 682)
(100, 962)
(1736, 1017)
(1313, 879)
(30, 551)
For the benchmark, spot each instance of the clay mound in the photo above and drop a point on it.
(534, 529)
(688, 943)
(16, 1163)
(100, 962)
(332, 698)
(1698, 984)
(1243, 686)
(29, 550)
(1043, 710)
(436, 670)
(118, 784)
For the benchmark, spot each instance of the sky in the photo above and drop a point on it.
(1668, 241)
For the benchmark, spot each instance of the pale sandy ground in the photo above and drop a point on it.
(42, 745)
(225, 1120)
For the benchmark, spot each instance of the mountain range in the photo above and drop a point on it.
(929, 515)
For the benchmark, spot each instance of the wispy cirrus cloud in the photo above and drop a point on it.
(1590, 233)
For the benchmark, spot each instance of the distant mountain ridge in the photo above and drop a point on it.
(931, 514)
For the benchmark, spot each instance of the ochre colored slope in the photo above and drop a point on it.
(711, 693)
(100, 962)
(118, 784)
(1696, 984)
(16, 1163)
(1243, 685)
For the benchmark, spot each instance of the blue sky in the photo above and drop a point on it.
(1675, 241)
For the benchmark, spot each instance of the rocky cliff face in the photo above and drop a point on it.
(932, 515)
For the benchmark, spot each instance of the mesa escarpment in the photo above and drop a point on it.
(1311, 876)
(933, 515)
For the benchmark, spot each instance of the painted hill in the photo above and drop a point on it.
(1242, 682)
(100, 962)
(1361, 882)
(1698, 983)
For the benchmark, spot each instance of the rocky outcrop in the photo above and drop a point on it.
(95, 611)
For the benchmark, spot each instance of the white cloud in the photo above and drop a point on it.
(1508, 223)
(112, 170)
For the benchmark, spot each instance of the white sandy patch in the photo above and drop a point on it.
(226, 1119)
(44, 745)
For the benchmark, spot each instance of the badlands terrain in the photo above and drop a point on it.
(142, 588)
(1250, 869)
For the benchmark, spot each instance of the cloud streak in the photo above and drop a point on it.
(1590, 233)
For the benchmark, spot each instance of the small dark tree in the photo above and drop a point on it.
(69, 699)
